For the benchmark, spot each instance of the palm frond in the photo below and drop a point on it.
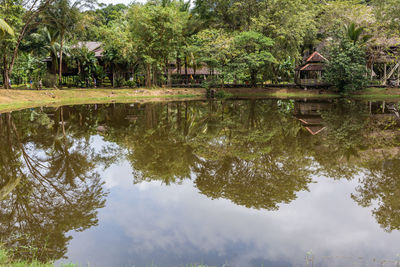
(5, 28)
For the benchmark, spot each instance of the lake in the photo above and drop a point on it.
(250, 182)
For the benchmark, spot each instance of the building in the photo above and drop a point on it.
(309, 74)
(384, 61)
(189, 75)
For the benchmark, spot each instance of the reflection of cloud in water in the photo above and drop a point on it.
(175, 225)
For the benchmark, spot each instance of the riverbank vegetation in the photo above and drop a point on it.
(203, 43)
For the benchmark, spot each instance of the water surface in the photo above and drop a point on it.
(234, 183)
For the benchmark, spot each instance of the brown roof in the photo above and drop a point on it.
(312, 67)
(316, 57)
(190, 71)
(94, 47)
(91, 46)
(387, 42)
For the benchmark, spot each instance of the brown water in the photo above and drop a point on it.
(223, 183)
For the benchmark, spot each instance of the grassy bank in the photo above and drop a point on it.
(19, 99)
(379, 93)
(7, 261)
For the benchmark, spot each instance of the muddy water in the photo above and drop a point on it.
(222, 183)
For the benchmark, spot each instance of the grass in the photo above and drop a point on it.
(288, 95)
(6, 261)
(378, 93)
(19, 99)
(15, 99)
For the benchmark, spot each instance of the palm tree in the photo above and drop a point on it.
(47, 39)
(62, 17)
(355, 34)
(5, 28)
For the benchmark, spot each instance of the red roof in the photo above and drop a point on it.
(312, 67)
(316, 57)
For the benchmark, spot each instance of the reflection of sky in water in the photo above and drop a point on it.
(171, 225)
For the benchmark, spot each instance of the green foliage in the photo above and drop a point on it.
(238, 41)
(251, 54)
(221, 94)
(49, 80)
(355, 34)
(156, 32)
(130, 84)
(5, 28)
(346, 67)
(86, 63)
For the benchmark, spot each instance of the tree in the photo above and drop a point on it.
(292, 25)
(345, 69)
(44, 42)
(212, 47)
(22, 16)
(355, 34)
(62, 17)
(251, 54)
(387, 13)
(156, 32)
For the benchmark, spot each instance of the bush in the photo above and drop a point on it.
(346, 67)
(119, 82)
(130, 84)
(49, 80)
(210, 83)
(220, 94)
(106, 82)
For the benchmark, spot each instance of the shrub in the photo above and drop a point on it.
(130, 84)
(220, 94)
(346, 67)
(49, 80)
(119, 82)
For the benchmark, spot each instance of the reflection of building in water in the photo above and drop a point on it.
(309, 114)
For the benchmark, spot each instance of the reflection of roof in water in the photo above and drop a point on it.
(314, 130)
(313, 124)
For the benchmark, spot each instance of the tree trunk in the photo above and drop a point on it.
(253, 76)
(148, 75)
(61, 60)
(169, 74)
(154, 78)
(6, 76)
(186, 69)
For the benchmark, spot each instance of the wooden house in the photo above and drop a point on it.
(180, 75)
(309, 74)
(384, 61)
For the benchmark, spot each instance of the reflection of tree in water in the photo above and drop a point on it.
(253, 160)
(380, 188)
(254, 153)
(239, 150)
(43, 198)
(369, 144)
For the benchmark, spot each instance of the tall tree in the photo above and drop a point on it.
(22, 16)
(156, 31)
(62, 17)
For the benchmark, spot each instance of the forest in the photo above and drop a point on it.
(250, 42)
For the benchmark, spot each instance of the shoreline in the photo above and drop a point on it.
(14, 99)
